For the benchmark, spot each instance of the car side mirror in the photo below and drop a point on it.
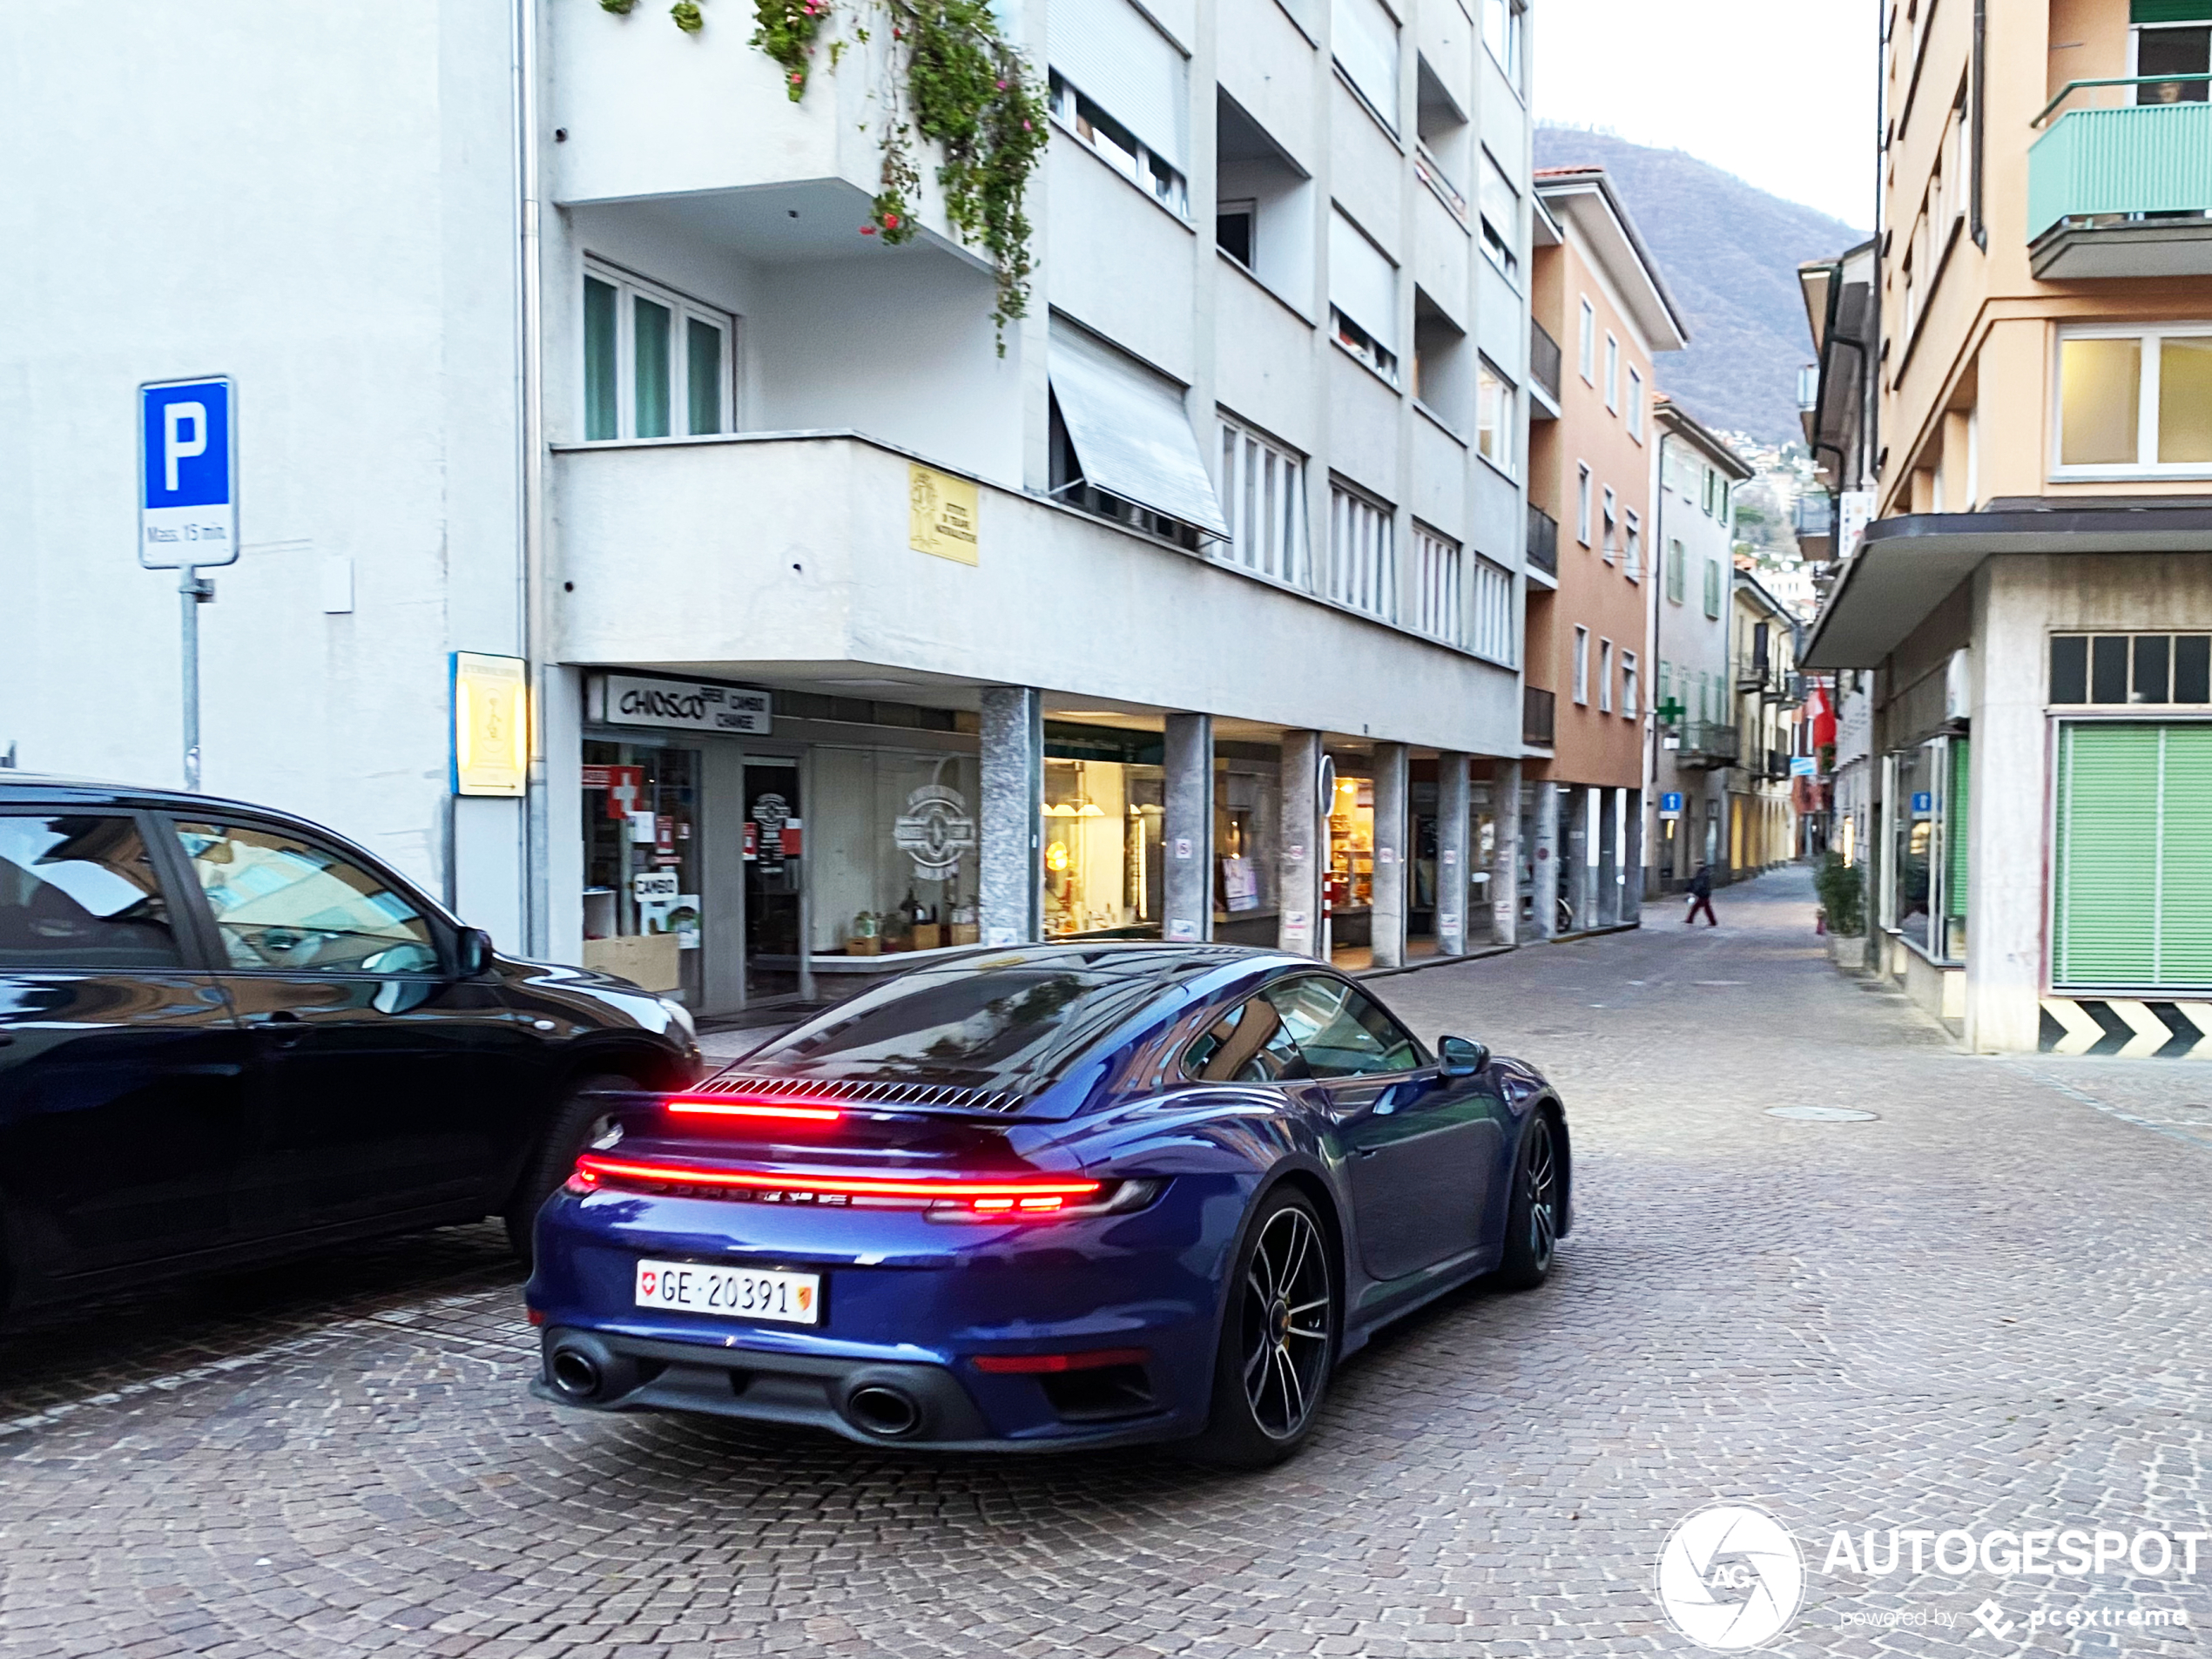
(474, 952)
(1459, 1057)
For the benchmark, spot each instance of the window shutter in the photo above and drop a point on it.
(1115, 56)
(2107, 856)
(2185, 858)
(2170, 10)
(1956, 841)
(1362, 283)
(1363, 37)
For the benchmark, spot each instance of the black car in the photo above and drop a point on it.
(227, 1035)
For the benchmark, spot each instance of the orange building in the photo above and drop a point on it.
(1601, 311)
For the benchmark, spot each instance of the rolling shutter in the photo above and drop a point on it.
(1363, 37)
(2170, 10)
(2131, 907)
(1956, 841)
(1362, 283)
(1116, 57)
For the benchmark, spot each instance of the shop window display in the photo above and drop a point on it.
(895, 852)
(641, 864)
(1350, 885)
(1101, 840)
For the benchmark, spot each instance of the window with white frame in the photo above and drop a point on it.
(1263, 497)
(1494, 418)
(1493, 634)
(1612, 373)
(1605, 677)
(1437, 582)
(1363, 571)
(1586, 349)
(1363, 297)
(2134, 400)
(1122, 150)
(1608, 524)
(1581, 663)
(1632, 545)
(1636, 404)
(1502, 35)
(1629, 689)
(1713, 588)
(656, 365)
(1583, 502)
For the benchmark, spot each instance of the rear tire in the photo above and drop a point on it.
(581, 1118)
(1278, 1338)
(1532, 1219)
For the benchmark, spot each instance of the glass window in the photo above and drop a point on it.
(1502, 35)
(1581, 663)
(1339, 1032)
(1928, 876)
(1713, 588)
(78, 891)
(602, 416)
(1493, 634)
(1582, 504)
(2185, 396)
(1363, 568)
(703, 371)
(1605, 676)
(1247, 1045)
(1635, 403)
(1501, 208)
(893, 837)
(285, 903)
(1102, 839)
(1629, 692)
(1586, 356)
(1349, 884)
(1262, 496)
(1493, 403)
(1675, 563)
(642, 846)
(1438, 580)
(2131, 668)
(1121, 149)
(1612, 373)
(650, 340)
(2174, 51)
(2099, 390)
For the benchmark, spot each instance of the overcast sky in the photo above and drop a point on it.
(1780, 92)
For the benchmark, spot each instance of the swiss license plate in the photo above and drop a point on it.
(731, 1293)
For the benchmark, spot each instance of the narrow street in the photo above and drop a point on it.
(1987, 1307)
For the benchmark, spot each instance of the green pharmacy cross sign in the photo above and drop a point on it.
(1670, 711)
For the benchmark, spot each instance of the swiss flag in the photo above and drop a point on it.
(1821, 713)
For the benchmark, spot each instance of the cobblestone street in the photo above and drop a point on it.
(1988, 1307)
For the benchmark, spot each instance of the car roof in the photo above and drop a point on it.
(17, 788)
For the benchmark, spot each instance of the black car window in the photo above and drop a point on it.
(1248, 1044)
(1011, 1026)
(77, 890)
(287, 903)
(1340, 1032)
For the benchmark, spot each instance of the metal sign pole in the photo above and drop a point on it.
(195, 591)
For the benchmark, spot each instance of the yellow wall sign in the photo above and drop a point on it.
(491, 724)
(941, 513)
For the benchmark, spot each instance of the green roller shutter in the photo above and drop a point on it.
(2132, 867)
(2170, 10)
(1955, 839)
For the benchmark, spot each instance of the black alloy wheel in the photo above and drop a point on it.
(1278, 1339)
(1531, 1223)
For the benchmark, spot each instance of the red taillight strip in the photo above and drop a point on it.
(700, 1106)
(595, 1167)
(1034, 1364)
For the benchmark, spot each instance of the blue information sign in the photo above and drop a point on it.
(188, 473)
(1671, 803)
(1923, 803)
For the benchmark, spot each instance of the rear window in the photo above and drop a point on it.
(78, 891)
(1013, 1026)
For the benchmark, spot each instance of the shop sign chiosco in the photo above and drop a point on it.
(941, 513)
(622, 699)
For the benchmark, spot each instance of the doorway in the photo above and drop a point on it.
(774, 849)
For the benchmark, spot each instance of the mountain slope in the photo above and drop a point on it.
(1728, 253)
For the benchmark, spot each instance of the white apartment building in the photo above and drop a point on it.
(556, 336)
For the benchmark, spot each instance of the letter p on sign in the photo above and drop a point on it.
(175, 447)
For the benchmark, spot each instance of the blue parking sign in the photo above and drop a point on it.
(188, 473)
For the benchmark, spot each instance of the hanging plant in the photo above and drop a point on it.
(955, 81)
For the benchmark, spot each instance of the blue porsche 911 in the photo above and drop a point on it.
(1059, 1195)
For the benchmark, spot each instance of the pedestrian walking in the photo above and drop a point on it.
(1700, 898)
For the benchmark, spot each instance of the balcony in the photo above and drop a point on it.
(1704, 745)
(1543, 542)
(1537, 710)
(1752, 676)
(1778, 765)
(2122, 191)
(1543, 360)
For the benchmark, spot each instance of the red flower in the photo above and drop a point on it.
(890, 221)
(867, 230)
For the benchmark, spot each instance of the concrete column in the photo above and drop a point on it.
(1605, 826)
(1012, 773)
(1188, 830)
(1387, 918)
(1454, 850)
(1632, 884)
(1544, 901)
(1505, 858)
(1304, 847)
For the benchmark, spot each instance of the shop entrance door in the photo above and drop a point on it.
(774, 849)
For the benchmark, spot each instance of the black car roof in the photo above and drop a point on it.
(22, 788)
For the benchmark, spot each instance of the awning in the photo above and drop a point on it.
(1906, 566)
(1132, 435)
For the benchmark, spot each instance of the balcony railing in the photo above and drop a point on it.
(1431, 174)
(1537, 708)
(1543, 541)
(1705, 743)
(2137, 174)
(1778, 763)
(1543, 358)
(1816, 514)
